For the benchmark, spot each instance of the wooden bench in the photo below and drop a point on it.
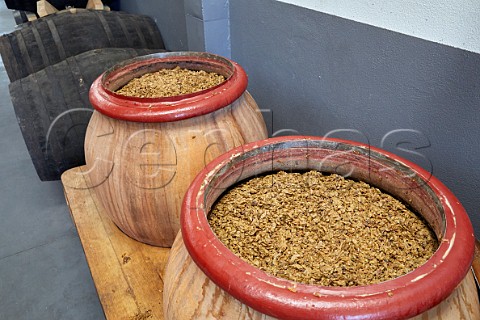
(128, 274)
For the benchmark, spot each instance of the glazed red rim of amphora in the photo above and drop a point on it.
(105, 100)
(402, 297)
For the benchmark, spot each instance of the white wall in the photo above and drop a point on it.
(451, 22)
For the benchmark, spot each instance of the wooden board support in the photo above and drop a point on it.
(44, 8)
(127, 274)
(21, 16)
(95, 5)
(31, 16)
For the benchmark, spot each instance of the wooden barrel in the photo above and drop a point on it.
(56, 37)
(53, 109)
(142, 153)
(204, 280)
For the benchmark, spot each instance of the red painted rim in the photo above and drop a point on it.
(111, 104)
(399, 298)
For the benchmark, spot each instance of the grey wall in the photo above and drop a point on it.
(169, 16)
(318, 73)
(208, 26)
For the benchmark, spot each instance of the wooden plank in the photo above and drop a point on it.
(31, 16)
(127, 273)
(44, 8)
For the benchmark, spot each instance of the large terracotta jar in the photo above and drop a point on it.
(143, 153)
(204, 280)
